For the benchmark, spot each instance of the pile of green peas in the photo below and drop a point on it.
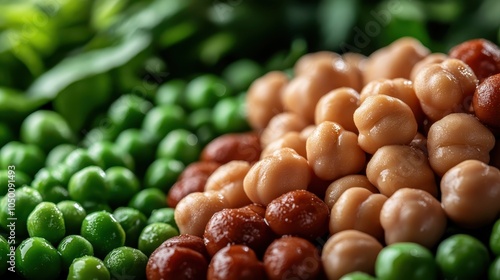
(93, 206)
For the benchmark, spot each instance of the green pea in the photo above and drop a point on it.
(4, 257)
(357, 276)
(160, 120)
(107, 155)
(92, 206)
(58, 154)
(122, 185)
(181, 145)
(140, 145)
(240, 74)
(49, 186)
(103, 231)
(405, 260)
(230, 116)
(88, 267)
(163, 215)
(73, 247)
(47, 221)
(36, 258)
(205, 90)
(16, 178)
(147, 200)
(73, 214)
(102, 133)
(46, 129)
(462, 256)
(6, 134)
(88, 184)
(495, 238)
(25, 200)
(132, 221)
(171, 93)
(23, 157)
(78, 160)
(126, 262)
(153, 235)
(201, 123)
(163, 173)
(494, 270)
(128, 111)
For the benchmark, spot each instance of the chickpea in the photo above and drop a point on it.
(399, 166)
(420, 142)
(486, 101)
(357, 62)
(199, 168)
(432, 58)
(395, 60)
(280, 125)
(307, 131)
(399, 88)
(359, 209)
(338, 106)
(307, 61)
(228, 180)
(455, 138)
(333, 152)
(176, 263)
(413, 215)
(264, 99)
(445, 88)
(349, 251)
(275, 175)
(233, 146)
(339, 186)
(384, 120)
(235, 262)
(291, 140)
(481, 55)
(194, 211)
(192, 242)
(184, 187)
(470, 193)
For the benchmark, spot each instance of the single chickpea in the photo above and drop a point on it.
(280, 125)
(395, 60)
(233, 146)
(357, 62)
(228, 180)
(194, 211)
(338, 106)
(264, 99)
(412, 215)
(283, 171)
(399, 88)
(384, 120)
(339, 186)
(470, 193)
(445, 88)
(430, 59)
(307, 61)
(359, 209)
(291, 140)
(334, 152)
(349, 251)
(394, 167)
(235, 262)
(455, 138)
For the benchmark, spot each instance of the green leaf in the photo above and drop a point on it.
(337, 18)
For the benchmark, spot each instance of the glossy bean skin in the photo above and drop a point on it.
(338, 106)
(280, 125)
(432, 58)
(235, 262)
(291, 140)
(228, 180)
(339, 186)
(481, 55)
(233, 146)
(486, 101)
(470, 193)
(412, 215)
(189, 241)
(199, 168)
(455, 138)
(184, 187)
(176, 263)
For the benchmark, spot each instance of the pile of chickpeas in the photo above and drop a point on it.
(349, 155)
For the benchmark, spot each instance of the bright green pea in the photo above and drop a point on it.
(47, 221)
(17, 178)
(357, 276)
(200, 118)
(27, 158)
(140, 145)
(163, 173)
(462, 256)
(103, 231)
(240, 74)
(128, 111)
(107, 155)
(25, 200)
(153, 235)
(495, 238)
(163, 215)
(171, 93)
(494, 270)
(181, 145)
(147, 200)
(133, 222)
(126, 262)
(73, 214)
(73, 247)
(49, 186)
(405, 260)
(122, 185)
(78, 160)
(88, 184)
(160, 120)
(58, 154)
(88, 267)
(101, 133)
(229, 115)
(205, 90)
(4, 258)
(37, 259)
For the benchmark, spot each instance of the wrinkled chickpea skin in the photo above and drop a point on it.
(470, 193)
(339, 186)
(333, 152)
(338, 106)
(433, 58)
(280, 125)
(291, 140)
(228, 180)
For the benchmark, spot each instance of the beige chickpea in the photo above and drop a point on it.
(307, 131)
(430, 59)
(279, 125)
(395, 60)
(349, 251)
(383, 120)
(399, 88)
(334, 152)
(470, 192)
(356, 61)
(359, 209)
(228, 180)
(193, 212)
(455, 138)
(264, 99)
(394, 167)
(272, 176)
(445, 88)
(412, 215)
(308, 61)
(339, 186)
(291, 139)
(338, 106)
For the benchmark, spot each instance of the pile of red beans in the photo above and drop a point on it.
(349, 155)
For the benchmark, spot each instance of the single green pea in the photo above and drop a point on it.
(147, 200)
(47, 221)
(103, 231)
(105, 132)
(78, 160)
(73, 214)
(107, 155)
(58, 154)
(27, 158)
(230, 116)
(357, 276)
(494, 270)
(205, 90)
(171, 93)
(14, 179)
(49, 186)
(122, 185)
(24, 200)
(46, 129)
(140, 145)
(92, 206)
(163, 215)
(4, 257)
(462, 256)
(6, 134)
(128, 111)
(73, 247)
(160, 120)
(163, 173)
(132, 221)
(36, 258)
(88, 267)
(126, 262)
(88, 184)
(153, 235)
(62, 173)
(200, 118)
(495, 238)
(181, 145)
(405, 260)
